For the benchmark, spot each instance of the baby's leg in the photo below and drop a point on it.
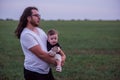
(58, 60)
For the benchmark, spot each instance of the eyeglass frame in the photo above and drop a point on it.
(37, 15)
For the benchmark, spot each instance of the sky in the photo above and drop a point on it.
(63, 9)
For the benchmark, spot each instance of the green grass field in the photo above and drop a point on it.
(92, 49)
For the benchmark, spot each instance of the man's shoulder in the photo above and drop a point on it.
(39, 29)
(26, 33)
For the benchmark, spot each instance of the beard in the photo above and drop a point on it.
(33, 23)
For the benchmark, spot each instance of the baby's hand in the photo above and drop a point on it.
(52, 53)
(59, 49)
(55, 49)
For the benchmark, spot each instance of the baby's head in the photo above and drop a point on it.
(52, 36)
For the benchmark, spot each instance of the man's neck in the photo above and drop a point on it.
(31, 27)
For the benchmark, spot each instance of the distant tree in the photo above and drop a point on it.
(100, 20)
(72, 19)
(8, 19)
(86, 19)
(1, 19)
(78, 20)
(42, 20)
(117, 20)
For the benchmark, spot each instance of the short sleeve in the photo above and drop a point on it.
(28, 41)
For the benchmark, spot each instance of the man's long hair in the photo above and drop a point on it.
(23, 21)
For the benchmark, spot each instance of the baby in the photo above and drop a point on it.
(54, 48)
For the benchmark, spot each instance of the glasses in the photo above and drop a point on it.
(36, 15)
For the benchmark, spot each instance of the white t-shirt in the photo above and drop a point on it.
(28, 40)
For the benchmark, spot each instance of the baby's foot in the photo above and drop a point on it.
(59, 68)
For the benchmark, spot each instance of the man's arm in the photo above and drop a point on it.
(42, 54)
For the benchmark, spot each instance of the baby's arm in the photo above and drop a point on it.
(63, 56)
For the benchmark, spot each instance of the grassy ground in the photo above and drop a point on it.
(92, 49)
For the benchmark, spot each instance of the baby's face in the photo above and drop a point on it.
(53, 39)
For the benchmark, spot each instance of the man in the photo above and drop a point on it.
(33, 42)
